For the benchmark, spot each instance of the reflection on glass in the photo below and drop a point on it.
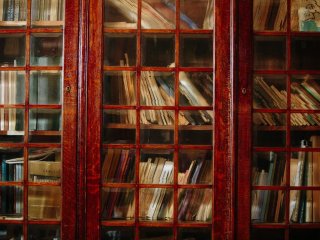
(305, 53)
(268, 169)
(305, 130)
(12, 50)
(195, 89)
(11, 124)
(44, 165)
(195, 205)
(11, 203)
(304, 206)
(267, 206)
(118, 166)
(11, 160)
(156, 233)
(13, 13)
(194, 234)
(195, 127)
(48, 13)
(269, 129)
(157, 88)
(269, 53)
(195, 167)
(196, 14)
(44, 232)
(45, 87)
(270, 91)
(267, 234)
(156, 167)
(117, 204)
(119, 88)
(12, 87)
(119, 126)
(120, 49)
(44, 202)
(11, 231)
(118, 233)
(120, 14)
(158, 14)
(46, 49)
(305, 92)
(44, 120)
(196, 50)
(305, 16)
(270, 16)
(297, 234)
(156, 204)
(156, 126)
(157, 50)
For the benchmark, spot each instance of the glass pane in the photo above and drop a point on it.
(11, 124)
(157, 50)
(267, 234)
(304, 126)
(196, 14)
(156, 204)
(195, 89)
(305, 92)
(270, 91)
(11, 164)
(297, 234)
(120, 14)
(270, 15)
(156, 126)
(268, 169)
(156, 166)
(118, 166)
(44, 165)
(119, 88)
(13, 13)
(44, 202)
(194, 234)
(12, 50)
(304, 53)
(195, 167)
(119, 126)
(269, 129)
(46, 49)
(117, 204)
(11, 231)
(158, 14)
(157, 88)
(267, 206)
(195, 205)
(45, 87)
(196, 50)
(48, 13)
(156, 233)
(305, 16)
(44, 232)
(12, 87)
(117, 233)
(196, 127)
(304, 206)
(120, 49)
(269, 53)
(11, 203)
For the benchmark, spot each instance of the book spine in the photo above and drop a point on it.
(10, 11)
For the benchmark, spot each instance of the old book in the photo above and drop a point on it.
(44, 170)
(315, 143)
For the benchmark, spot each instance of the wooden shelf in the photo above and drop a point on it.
(13, 23)
(47, 23)
(45, 133)
(11, 133)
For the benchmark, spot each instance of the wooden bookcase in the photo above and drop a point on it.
(278, 174)
(158, 108)
(38, 124)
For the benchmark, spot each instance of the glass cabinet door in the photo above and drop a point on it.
(285, 182)
(153, 138)
(32, 119)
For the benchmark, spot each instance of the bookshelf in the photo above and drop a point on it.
(151, 101)
(38, 45)
(281, 157)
